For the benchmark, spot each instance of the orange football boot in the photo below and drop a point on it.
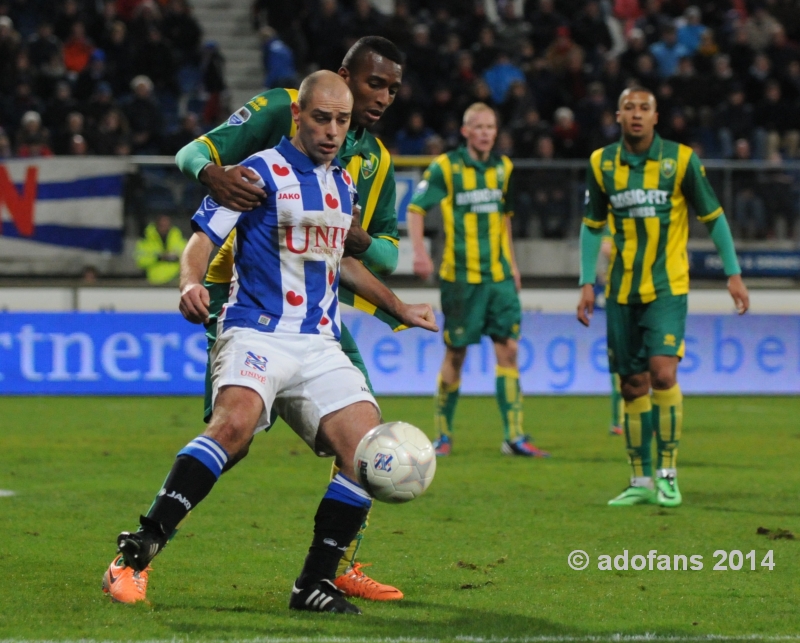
(123, 584)
(356, 584)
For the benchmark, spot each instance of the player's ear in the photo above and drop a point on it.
(619, 114)
(344, 72)
(295, 107)
(464, 131)
(655, 122)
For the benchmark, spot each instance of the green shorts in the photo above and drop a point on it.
(219, 295)
(474, 310)
(637, 332)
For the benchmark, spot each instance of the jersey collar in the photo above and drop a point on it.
(653, 152)
(471, 162)
(299, 161)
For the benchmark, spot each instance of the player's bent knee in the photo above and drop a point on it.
(663, 380)
(237, 457)
(634, 386)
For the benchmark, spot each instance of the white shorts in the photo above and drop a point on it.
(304, 376)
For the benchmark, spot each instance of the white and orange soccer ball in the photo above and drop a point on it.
(395, 462)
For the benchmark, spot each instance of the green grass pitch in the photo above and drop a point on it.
(483, 555)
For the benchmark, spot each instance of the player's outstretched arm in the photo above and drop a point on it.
(366, 285)
(194, 262)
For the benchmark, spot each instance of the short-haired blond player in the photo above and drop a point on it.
(479, 279)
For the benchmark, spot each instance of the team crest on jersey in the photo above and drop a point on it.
(239, 117)
(257, 362)
(369, 166)
(501, 174)
(668, 168)
(608, 166)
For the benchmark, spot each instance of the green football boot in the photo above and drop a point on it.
(634, 496)
(668, 494)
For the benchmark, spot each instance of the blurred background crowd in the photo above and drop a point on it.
(120, 77)
(135, 76)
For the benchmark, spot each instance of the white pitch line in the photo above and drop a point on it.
(592, 638)
(7, 493)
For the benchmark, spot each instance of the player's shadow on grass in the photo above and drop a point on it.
(406, 619)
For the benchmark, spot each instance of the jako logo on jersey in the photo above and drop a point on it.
(639, 197)
(288, 195)
(239, 117)
(383, 462)
(257, 362)
(369, 166)
(324, 237)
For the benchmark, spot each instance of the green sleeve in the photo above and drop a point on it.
(699, 192)
(430, 190)
(723, 240)
(381, 256)
(591, 239)
(596, 202)
(256, 126)
(192, 158)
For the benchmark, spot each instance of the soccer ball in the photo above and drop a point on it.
(395, 462)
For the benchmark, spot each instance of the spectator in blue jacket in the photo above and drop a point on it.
(278, 58)
(690, 33)
(500, 76)
(668, 51)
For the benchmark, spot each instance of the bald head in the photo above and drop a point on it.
(322, 83)
(322, 116)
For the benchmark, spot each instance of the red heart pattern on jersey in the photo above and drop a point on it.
(330, 278)
(346, 177)
(294, 299)
(280, 170)
(331, 201)
(324, 321)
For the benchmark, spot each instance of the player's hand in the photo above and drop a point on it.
(418, 316)
(586, 304)
(423, 264)
(357, 240)
(233, 186)
(194, 303)
(738, 291)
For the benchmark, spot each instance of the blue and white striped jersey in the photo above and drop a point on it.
(287, 251)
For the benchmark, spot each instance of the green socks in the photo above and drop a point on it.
(639, 436)
(446, 400)
(668, 424)
(509, 400)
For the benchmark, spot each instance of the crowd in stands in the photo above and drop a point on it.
(108, 77)
(132, 76)
(723, 71)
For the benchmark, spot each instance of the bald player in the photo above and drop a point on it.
(278, 342)
(641, 187)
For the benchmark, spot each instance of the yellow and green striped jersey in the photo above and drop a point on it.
(644, 201)
(475, 198)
